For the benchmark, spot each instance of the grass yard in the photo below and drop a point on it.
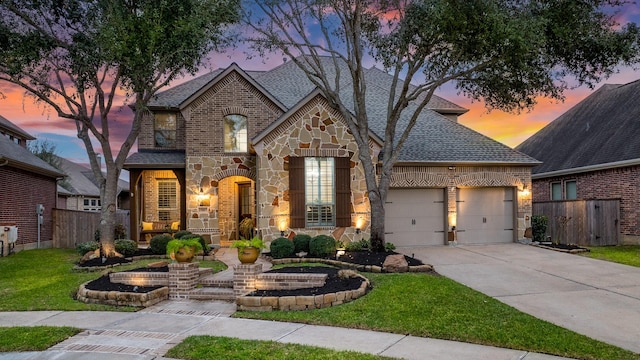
(429, 306)
(213, 348)
(623, 254)
(43, 279)
(33, 338)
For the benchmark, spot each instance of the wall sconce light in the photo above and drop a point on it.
(452, 220)
(282, 226)
(202, 198)
(359, 224)
(525, 191)
(452, 167)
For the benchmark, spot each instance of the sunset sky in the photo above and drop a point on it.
(510, 129)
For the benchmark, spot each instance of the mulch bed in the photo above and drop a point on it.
(104, 284)
(372, 258)
(572, 248)
(333, 284)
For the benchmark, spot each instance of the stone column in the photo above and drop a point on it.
(244, 278)
(183, 277)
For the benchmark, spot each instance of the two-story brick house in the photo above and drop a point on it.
(233, 144)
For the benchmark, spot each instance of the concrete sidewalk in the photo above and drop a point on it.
(596, 298)
(149, 333)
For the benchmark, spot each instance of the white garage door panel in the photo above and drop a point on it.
(415, 217)
(485, 215)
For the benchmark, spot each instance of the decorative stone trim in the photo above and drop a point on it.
(488, 179)
(117, 298)
(251, 174)
(346, 265)
(269, 303)
(140, 278)
(288, 281)
(233, 110)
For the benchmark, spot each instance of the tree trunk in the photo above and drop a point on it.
(109, 190)
(377, 223)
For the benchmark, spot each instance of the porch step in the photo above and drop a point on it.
(212, 293)
(203, 272)
(214, 282)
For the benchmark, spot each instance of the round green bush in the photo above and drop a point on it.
(301, 243)
(281, 248)
(85, 247)
(322, 246)
(182, 234)
(126, 247)
(158, 243)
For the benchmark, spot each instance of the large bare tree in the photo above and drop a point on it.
(502, 52)
(81, 56)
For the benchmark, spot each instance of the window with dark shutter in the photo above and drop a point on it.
(296, 192)
(343, 192)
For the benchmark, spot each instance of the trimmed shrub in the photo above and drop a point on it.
(126, 247)
(322, 246)
(539, 227)
(182, 234)
(389, 247)
(360, 245)
(301, 243)
(158, 244)
(85, 247)
(281, 248)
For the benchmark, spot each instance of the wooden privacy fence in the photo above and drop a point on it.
(71, 227)
(582, 222)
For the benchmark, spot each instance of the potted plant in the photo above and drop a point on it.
(183, 250)
(248, 250)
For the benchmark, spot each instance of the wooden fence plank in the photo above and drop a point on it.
(71, 227)
(582, 222)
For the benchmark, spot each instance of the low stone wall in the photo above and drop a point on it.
(347, 265)
(269, 303)
(118, 298)
(289, 281)
(140, 278)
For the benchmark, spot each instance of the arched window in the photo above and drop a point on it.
(235, 133)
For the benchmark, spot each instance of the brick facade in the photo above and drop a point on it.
(21, 192)
(618, 183)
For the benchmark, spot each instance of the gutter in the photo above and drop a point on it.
(584, 169)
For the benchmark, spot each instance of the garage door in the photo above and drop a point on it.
(415, 217)
(485, 215)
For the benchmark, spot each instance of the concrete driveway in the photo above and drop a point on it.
(592, 297)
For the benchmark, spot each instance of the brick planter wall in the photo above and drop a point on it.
(140, 278)
(287, 281)
(183, 277)
(244, 278)
(118, 298)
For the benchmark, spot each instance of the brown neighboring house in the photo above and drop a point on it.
(25, 182)
(593, 152)
(266, 145)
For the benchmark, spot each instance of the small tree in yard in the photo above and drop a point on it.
(79, 56)
(505, 53)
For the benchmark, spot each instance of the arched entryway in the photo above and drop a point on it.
(236, 201)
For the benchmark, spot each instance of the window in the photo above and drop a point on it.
(92, 204)
(319, 192)
(165, 130)
(570, 190)
(167, 199)
(556, 191)
(235, 133)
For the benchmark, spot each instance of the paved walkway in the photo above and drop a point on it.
(149, 333)
(596, 298)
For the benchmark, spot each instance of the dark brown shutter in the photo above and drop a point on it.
(343, 192)
(296, 192)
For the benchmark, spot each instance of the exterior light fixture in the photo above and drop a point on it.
(282, 226)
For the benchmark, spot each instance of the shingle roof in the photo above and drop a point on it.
(156, 159)
(603, 128)
(20, 157)
(435, 138)
(8, 126)
(81, 181)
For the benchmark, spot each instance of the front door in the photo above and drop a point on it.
(244, 202)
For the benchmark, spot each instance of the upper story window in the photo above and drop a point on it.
(164, 130)
(235, 133)
(92, 204)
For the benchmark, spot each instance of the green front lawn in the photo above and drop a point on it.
(430, 306)
(44, 280)
(214, 348)
(33, 338)
(623, 254)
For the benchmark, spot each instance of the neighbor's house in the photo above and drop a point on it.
(267, 145)
(26, 181)
(593, 152)
(79, 190)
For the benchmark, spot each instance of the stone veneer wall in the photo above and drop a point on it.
(314, 130)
